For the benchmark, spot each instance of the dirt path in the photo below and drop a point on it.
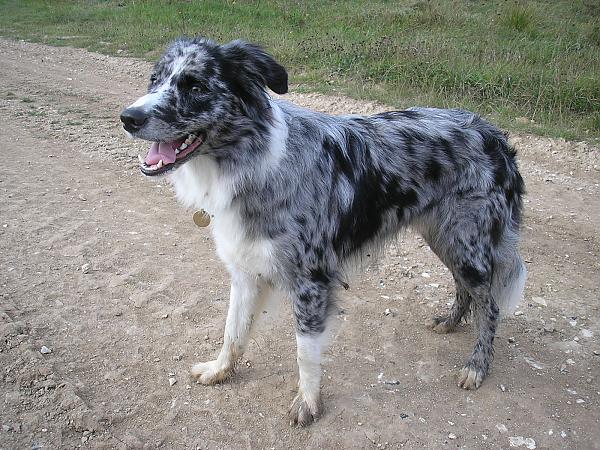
(152, 298)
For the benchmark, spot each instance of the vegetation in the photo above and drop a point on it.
(532, 65)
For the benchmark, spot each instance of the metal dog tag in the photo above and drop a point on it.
(201, 218)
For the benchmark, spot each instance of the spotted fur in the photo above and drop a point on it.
(296, 195)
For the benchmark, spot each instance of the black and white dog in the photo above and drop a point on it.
(296, 195)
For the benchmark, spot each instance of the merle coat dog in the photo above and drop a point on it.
(296, 195)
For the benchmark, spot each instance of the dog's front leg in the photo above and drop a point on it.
(247, 295)
(310, 311)
(307, 406)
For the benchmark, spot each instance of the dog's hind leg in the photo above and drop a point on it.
(462, 305)
(311, 303)
(486, 319)
(462, 238)
(247, 295)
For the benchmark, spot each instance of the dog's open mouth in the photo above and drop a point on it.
(164, 156)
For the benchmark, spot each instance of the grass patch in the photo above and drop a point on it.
(538, 59)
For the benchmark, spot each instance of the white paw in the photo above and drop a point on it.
(470, 378)
(211, 372)
(303, 412)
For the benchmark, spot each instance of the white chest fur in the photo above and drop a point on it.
(199, 184)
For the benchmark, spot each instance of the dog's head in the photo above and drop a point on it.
(199, 92)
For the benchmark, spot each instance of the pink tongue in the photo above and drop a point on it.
(164, 151)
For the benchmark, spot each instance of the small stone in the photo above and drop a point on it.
(45, 350)
(596, 352)
(85, 268)
(520, 441)
(501, 428)
(425, 275)
(82, 197)
(511, 340)
(503, 388)
(519, 313)
(580, 401)
(165, 316)
(549, 328)
(451, 436)
(533, 363)
(172, 381)
(387, 312)
(563, 434)
(570, 362)
(573, 323)
(587, 334)
(539, 300)
(6, 428)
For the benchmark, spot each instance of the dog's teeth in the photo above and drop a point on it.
(160, 164)
(183, 146)
(177, 151)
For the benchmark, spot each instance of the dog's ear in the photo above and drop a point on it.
(249, 62)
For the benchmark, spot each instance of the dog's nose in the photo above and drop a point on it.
(133, 118)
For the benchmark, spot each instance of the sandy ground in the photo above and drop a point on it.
(105, 270)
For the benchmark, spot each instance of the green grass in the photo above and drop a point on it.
(534, 59)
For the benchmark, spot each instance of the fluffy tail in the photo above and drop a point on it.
(508, 284)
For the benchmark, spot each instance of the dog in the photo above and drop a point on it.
(296, 196)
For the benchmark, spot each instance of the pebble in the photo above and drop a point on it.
(501, 428)
(596, 352)
(533, 363)
(539, 300)
(563, 434)
(82, 197)
(570, 362)
(585, 333)
(425, 275)
(85, 268)
(387, 311)
(451, 436)
(519, 441)
(503, 388)
(172, 381)
(45, 350)
(519, 313)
